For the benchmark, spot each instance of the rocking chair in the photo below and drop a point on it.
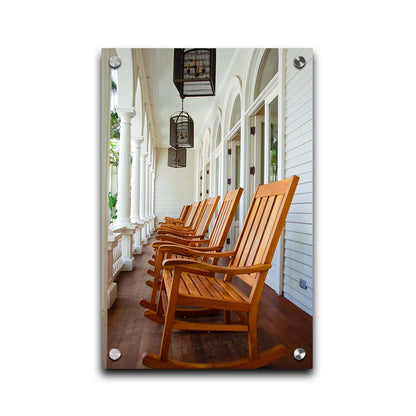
(190, 224)
(213, 244)
(202, 225)
(193, 283)
(180, 219)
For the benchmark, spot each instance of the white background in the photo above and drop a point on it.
(365, 66)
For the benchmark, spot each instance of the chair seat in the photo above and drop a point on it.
(199, 290)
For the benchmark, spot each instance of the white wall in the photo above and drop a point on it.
(174, 187)
(298, 241)
(296, 117)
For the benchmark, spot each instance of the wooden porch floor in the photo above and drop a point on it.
(279, 322)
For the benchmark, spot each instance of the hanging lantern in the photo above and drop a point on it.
(181, 130)
(194, 72)
(176, 158)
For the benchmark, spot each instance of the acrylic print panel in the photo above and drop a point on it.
(256, 131)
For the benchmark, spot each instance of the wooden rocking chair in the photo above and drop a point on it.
(193, 283)
(190, 224)
(180, 219)
(204, 219)
(213, 244)
(201, 226)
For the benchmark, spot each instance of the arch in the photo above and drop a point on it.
(125, 78)
(235, 89)
(235, 112)
(268, 68)
(145, 131)
(217, 130)
(200, 157)
(207, 145)
(252, 71)
(137, 121)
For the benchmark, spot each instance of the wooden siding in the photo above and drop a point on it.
(173, 187)
(298, 238)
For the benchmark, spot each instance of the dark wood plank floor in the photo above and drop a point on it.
(279, 322)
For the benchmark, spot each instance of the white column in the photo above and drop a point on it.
(122, 223)
(151, 215)
(153, 195)
(123, 202)
(135, 194)
(143, 190)
(135, 180)
(147, 196)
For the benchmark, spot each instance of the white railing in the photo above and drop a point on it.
(117, 259)
(114, 265)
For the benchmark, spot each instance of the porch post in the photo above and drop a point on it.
(143, 191)
(153, 198)
(123, 203)
(152, 222)
(147, 214)
(135, 193)
(123, 223)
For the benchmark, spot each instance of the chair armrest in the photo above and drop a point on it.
(181, 240)
(170, 264)
(173, 227)
(199, 251)
(176, 233)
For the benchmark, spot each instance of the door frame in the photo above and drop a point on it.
(271, 91)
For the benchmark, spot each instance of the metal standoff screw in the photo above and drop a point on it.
(114, 62)
(299, 62)
(299, 354)
(114, 354)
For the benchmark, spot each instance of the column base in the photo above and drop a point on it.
(137, 250)
(128, 264)
(137, 237)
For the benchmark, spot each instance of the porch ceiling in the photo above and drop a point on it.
(164, 97)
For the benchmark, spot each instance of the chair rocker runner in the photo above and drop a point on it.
(193, 283)
(213, 244)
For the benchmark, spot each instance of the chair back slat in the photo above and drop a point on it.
(241, 248)
(263, 225)
(181, 213)
(184, 212)
(225, 217)
(198, 214)
(191, 213)
(207, 215)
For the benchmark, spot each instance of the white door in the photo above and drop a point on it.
(207, 182)
(257, 153)
(233, 182)
(200, 195)
(273, 172)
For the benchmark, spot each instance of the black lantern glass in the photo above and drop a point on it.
(194, 72)
(181, 130)
(176, 158)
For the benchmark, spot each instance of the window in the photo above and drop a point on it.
(236, 112)
(273, 161)
(268, 68)
(218, 138)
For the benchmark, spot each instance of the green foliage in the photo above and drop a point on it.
(114, 155)
(112, 201)
(114, 126)
(114, 138)
(273, 157)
